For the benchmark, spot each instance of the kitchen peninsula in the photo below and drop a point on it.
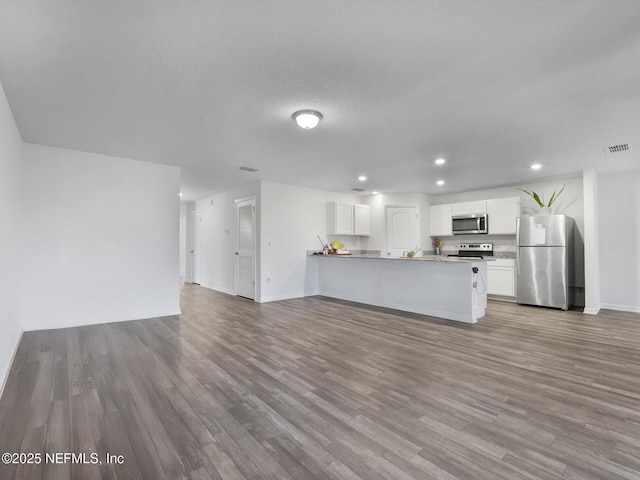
(430, 285)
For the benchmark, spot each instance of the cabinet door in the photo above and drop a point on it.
(502, 215)
(468, 208)
(501, 278)
(361, 220)
(339, 218)
(344, 219)
(440, 220)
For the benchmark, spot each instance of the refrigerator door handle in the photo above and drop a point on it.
(517, 261)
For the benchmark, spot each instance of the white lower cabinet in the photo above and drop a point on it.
(501, 277)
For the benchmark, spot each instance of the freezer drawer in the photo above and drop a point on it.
(542, 276)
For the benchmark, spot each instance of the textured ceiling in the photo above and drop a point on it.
(493, 86)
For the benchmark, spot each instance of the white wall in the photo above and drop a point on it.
(377, 240)
(100, 238)
(619, 232)
(10, 154)
(218, 237)
(182, 247)
(591, 242)
(292, 218)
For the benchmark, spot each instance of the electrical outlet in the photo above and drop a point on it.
(268, 279)
(269, 243)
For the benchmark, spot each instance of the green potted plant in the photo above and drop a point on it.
(539, 199)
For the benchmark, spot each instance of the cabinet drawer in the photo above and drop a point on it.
(501, 262)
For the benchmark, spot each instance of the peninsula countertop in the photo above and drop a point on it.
(425, 258)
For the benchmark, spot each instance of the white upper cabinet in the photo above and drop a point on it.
(361, 220)
(502, 215)
(348, 219)
(468, 208)
(440, 220)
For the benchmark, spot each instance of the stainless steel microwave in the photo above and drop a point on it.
(470, 224)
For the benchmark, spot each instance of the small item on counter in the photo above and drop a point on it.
(437, 245)
(336, 245)
(412, 253)
(337, 248)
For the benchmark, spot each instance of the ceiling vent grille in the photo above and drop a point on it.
(249, 169)
(623, 147)
(358, 190)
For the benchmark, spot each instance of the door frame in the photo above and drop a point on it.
(236, 263)
(195, 270)
(385, 208)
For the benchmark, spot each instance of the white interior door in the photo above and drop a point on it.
(196, 245)
(246, 248)
(402, 230)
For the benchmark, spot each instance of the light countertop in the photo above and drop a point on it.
(426, 258)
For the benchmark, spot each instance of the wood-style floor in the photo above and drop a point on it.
(321, 389)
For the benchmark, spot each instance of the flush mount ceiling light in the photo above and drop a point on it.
(375, 193)
(440, 161)
(536, 166)
(307, 119)
(440, 182)
(362, 178)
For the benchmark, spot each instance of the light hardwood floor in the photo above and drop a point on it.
(317, 388)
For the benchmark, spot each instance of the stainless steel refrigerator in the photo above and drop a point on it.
(544, 260)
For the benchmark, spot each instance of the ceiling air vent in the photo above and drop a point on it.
(358, 190)
(249, 169)
(623, 147)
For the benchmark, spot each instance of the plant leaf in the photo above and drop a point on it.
(554, 197)
(533, 195)
(537, 199)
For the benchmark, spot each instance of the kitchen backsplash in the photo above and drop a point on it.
(501, 243)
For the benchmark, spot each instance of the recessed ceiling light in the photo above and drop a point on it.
(180, 194)
(375, 193)
(440, 182)
(440, 161)
(362, 178)
(307, 119)
(536, 166)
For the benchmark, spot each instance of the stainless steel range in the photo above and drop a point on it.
(474, 250)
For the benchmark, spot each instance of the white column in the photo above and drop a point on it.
(591, 243)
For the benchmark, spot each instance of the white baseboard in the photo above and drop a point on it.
(502, 298)
(219, 289)
(10, 364)
(591, 311)
(623, 308)
(34, 327)
(286, 296)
